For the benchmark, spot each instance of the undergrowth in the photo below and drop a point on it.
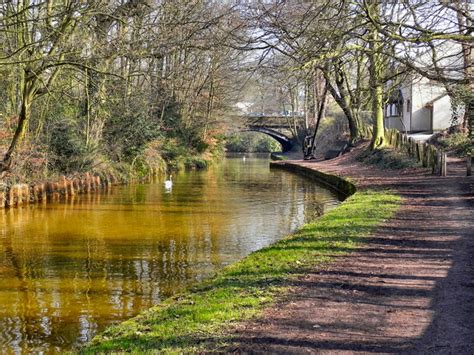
(458, 143)
(200, 318)
(388, 158)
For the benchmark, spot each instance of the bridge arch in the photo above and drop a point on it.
(285, 142)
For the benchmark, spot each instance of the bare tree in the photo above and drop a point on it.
(434, 39)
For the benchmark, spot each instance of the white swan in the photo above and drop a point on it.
(243, 158)
(169, 183)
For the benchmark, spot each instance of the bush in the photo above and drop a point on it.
(148, 163)
(170, 150)
(196, 163)
(69, 152)
(127, 134)
(457, 143)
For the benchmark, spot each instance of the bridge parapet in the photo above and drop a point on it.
(276, 122)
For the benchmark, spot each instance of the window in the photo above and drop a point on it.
(393, 110)
(408, 105)
(395, 104)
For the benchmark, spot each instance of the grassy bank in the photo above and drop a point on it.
(187, 321)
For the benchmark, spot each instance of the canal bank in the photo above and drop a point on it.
(205, 316)
(406, 288)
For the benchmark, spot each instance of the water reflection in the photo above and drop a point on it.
(69, 269)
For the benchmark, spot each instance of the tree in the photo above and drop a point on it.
(434, 40)
(97, 66)
(319, 38)
(38, 43)
(376, 71)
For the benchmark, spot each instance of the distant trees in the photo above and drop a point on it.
(250, 142)
(325, 44)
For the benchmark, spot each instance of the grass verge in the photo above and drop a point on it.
(190, 321)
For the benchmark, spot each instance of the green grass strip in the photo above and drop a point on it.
(187, 322)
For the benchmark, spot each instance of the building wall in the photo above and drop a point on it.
(442, 113)
(394, 122)
(423, 92)
(417, 92)
(420, 115)
(401, 121)
(407, 107)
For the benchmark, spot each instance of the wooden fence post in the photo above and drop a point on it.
(3, 195)
(392, 137)
(469, 164)
(425, 155)
(437, 163)
(419, 152)
(431, 158)
(443, 164)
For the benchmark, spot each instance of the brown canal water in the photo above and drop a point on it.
(71, 268)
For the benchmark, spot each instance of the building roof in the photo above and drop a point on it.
(431, 102)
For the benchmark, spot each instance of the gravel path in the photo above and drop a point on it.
(408, 289)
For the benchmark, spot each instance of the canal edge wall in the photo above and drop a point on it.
(340, 185)
(17, 195)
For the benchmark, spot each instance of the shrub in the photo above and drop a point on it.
(458, 143)
(195, 163)
(69, 152)
(388, 158)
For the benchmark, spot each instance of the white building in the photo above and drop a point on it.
(419, 105)
(244, 107)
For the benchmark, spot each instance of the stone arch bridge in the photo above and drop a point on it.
(276, 127)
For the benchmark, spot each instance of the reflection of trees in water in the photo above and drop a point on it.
(106, 280)
(68, 302)
(304, 201)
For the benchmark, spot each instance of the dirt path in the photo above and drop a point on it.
(408, 289)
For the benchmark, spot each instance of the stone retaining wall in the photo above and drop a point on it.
(336, 183)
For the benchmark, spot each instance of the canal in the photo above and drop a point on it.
(71, 268)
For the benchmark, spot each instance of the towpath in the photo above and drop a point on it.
(409, 288)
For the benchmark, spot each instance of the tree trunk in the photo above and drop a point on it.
(463, 7)
(307, 110)
(23, 120)
(469, 115)
(342, 98)
(321, 114)
(377, 111)
(469, 102)
(376, 85)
